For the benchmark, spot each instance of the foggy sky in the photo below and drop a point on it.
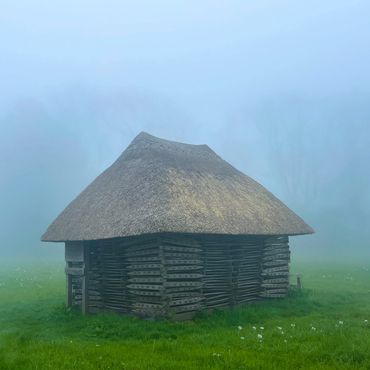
(280, 89)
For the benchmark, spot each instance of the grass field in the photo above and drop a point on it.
(323, 327)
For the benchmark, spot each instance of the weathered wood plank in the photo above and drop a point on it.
(74, 252)
(78, 271)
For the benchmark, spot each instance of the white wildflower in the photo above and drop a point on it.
(279, 328)
(292, 325)
(313, 328)
(242, 338)
(240, 327)
(254, 328)
(282, 332)
(340, 322)
(365, 322)
(259, 336)
(216, 354)
(262, 328)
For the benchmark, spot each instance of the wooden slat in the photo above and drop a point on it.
(78, 271)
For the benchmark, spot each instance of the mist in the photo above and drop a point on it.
(279, 90)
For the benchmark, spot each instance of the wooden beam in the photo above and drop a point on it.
(78, 271)
(74, 252)
(68, 290)
(85, 282)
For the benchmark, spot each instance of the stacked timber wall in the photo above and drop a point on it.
(174, 275)
(275, 267)
(107, 276)
(232, 270)
(152, 276)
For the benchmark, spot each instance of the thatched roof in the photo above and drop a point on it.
(158, 185)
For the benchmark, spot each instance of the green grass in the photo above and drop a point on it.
(37, 332)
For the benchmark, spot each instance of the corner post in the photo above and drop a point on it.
(85, 280)
(164, 298)
(69, 290)
(75, 273)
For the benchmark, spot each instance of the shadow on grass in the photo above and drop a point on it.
(110, 326)
(60, 323)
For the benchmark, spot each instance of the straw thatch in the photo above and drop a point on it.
(158, 185)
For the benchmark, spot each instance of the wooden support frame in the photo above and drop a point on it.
(163, 272)
(75, 257)
(85, 280)
(69, 290)
(175, 275)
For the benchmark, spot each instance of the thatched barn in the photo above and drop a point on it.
(170, 229)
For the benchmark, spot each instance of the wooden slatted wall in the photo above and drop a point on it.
(174, 275)
(232, 270)
(275, 267)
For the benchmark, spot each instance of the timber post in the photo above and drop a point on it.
(75, 271)
(299, 282)
(85, 281)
